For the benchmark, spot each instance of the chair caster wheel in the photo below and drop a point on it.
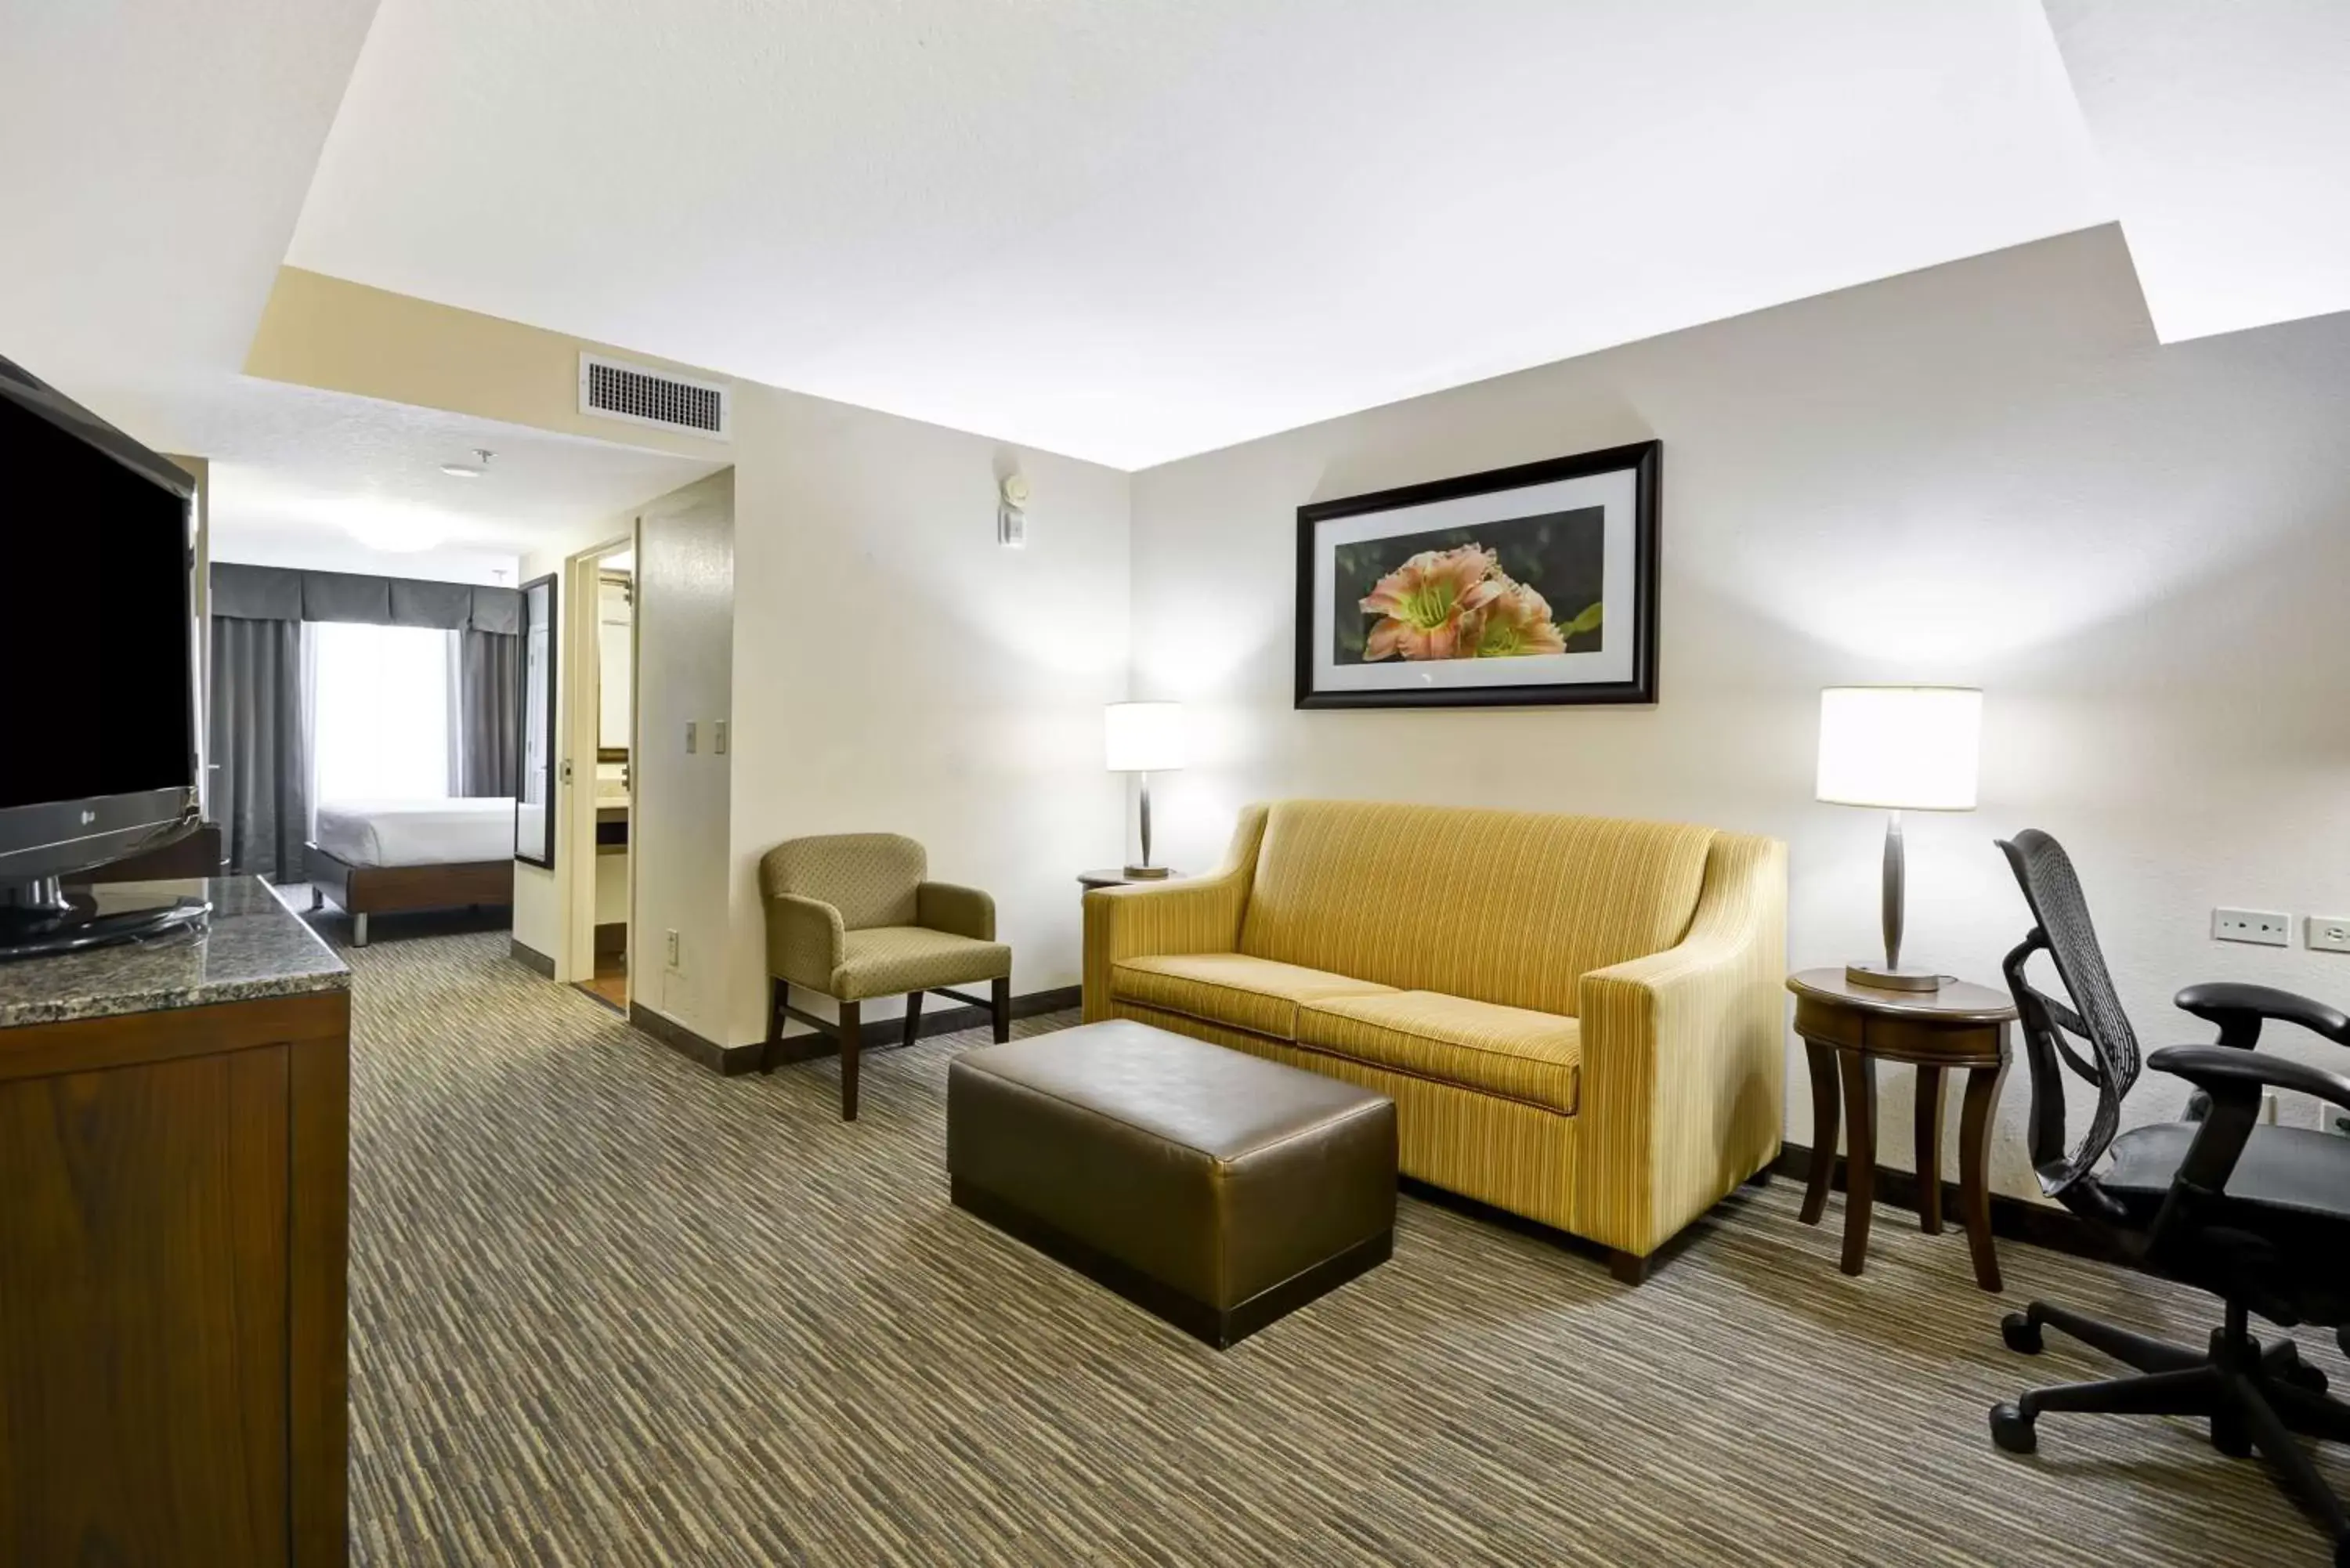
(2302, 1375)
(2010, 1429)
(2023, 1335)
(2230, 1438)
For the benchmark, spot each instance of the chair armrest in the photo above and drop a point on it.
(1198, 915)
(805, 937)
(2238, 1009)
(2225, 1073)
(1684, 1058)
(958, 911)
(2234, 1078)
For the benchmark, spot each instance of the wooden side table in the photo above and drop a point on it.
(1846, 1029)
(1115, 876)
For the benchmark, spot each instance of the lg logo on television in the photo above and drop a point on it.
(88, 817)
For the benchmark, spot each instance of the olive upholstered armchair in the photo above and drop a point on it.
(853, 915)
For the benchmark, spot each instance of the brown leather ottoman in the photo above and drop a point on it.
(1212, 1188)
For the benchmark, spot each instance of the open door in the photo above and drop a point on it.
(603, 760)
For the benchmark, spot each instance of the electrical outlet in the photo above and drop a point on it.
(692, 737)
(2261, 926)
(673, 949)
(2329, 933)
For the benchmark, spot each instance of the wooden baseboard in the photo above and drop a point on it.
(883, 1033)
(727, 1061)
(532, 959)
(2011, 1218)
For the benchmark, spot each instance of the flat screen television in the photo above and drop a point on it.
(98, 703)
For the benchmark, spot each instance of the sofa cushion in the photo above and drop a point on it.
(1504, 907)
(1245, 993)
(1534, 1057)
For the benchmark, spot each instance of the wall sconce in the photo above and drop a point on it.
(1012, 512)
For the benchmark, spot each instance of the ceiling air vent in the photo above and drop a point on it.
(618, 390)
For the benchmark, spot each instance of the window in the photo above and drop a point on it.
(380, 705)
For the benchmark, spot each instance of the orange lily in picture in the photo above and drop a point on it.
(1432, 606)
(1518, 623)
(1459, 603)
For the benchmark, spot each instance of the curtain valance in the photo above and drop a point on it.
(285, 593)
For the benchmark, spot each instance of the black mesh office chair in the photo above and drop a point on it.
(2259, 1215)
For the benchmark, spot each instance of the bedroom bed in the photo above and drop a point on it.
(390, 857)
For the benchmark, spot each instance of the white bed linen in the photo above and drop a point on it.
(417, 832)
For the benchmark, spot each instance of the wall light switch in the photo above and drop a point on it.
(692, 737)
(2261, 926)
(718, 736)
(673, 949)
(2329, 933)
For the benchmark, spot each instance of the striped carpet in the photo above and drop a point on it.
(608, 1309)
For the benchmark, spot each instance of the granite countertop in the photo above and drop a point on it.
(253, 947)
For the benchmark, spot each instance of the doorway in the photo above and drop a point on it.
(608, 580)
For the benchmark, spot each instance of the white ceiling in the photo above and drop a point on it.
(291, 461)
(1125, 230)
(156, 154)
(1135, 231)
(2225, 130)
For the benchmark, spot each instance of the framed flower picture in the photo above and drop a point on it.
(1528, 585)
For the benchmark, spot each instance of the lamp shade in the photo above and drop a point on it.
(1143, 737)
(1909, 748)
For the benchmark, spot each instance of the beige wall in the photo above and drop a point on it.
(896, 670)
(320, 331)
(1987, 473)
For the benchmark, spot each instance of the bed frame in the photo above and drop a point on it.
(363, 890)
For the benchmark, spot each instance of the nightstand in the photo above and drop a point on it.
(1847, 1028)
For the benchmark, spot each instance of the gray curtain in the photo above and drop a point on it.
(488, 679)
(260, 747)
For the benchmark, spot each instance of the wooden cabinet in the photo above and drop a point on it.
(174, 1228)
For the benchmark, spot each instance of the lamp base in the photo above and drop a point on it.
(1147, 873)
(1902, 978)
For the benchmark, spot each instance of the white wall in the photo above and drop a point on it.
(896, 670)
(1987, 473)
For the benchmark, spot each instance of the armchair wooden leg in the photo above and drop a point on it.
(913, 1016)
(999, 1004)
(849, 1041)
(778, 993)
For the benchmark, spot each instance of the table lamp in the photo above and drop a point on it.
(1144, 738)
(1904, 748)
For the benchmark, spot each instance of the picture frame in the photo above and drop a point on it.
(1521, 586)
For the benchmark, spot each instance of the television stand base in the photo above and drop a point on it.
(39, 918)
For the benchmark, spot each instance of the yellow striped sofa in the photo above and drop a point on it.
(1580, 1019)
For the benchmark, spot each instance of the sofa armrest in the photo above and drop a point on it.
(958, 911)
(805, 937)
(1197, 915)
(1684, 1058)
